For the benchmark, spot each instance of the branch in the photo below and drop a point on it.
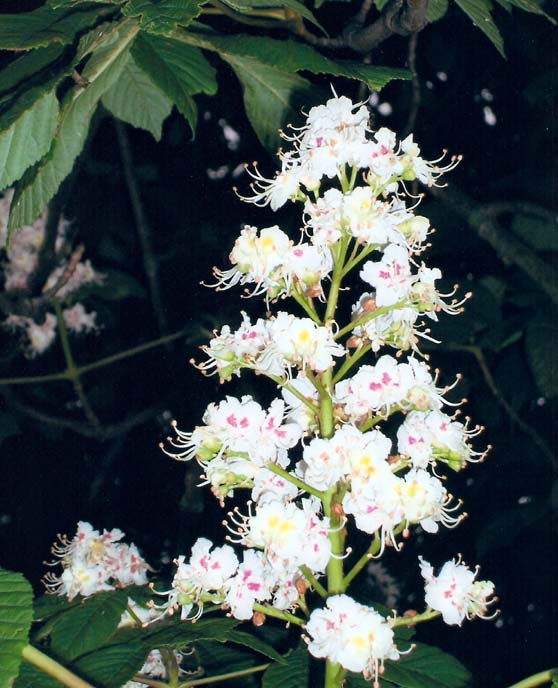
(511, 412)
(483, 219)
(415, 85)
(399, 17)
(98, 432)
(150, 264)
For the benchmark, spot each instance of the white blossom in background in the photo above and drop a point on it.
(154, 668)
(21, 261)
(93, 561)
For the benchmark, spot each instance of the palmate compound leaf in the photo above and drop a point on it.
(89, 625)
(28, 139)
(45, 25)
(135, 99)
(41, 182)
(16, 614)
(178, 69)
(424, 667)
(291, 56)
(295, 672)
(479, 12)
(274, 95)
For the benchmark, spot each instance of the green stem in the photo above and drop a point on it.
(335, 582)
(277, 614)
(134, 616)
(355, 259)
(299, 395)
(361, 563)
(52, 668)
(301, 299)
(274, 468)
(314, 582)
(224, 677)
(350, 362)
(537, 679)
(334, 675)
(428, 615)
(369, 316)
(371, 422)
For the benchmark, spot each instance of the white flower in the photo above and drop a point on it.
(355, 636)
(94, 561)
(391, 277)
(455, 593)
(252, 583)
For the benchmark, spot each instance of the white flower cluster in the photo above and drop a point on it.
(271, 347)
(94, 561)
(320, 461)
(275, 265)
(238, 439)
(21, 261)
(455, 593)
(355, 636)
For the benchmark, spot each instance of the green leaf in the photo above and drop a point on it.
(424, 667)
(28, 139)
(47, 606)
(427, 667)
(436, 10)
(294, 5)
(16, 614)
(479, 12)
(135, 99)
(297, 57)
(293, 673)
(255, 644)
(44, 26)
(29, 677)
(541, 340)
(181, 634)
(162, 16)
(89, 625)
(272, 97)
(542, 235)
(41, 182)
(178, 69)
(113, 666)
(533, 7)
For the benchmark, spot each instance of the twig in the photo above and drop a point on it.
(481, 218)
(107, 360)
(64, 278)
(71, 367)
(415, 85)
(150, 264)
(101, 432)
(401, 17)
(501, 399)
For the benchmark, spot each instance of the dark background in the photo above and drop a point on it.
(53, 477)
